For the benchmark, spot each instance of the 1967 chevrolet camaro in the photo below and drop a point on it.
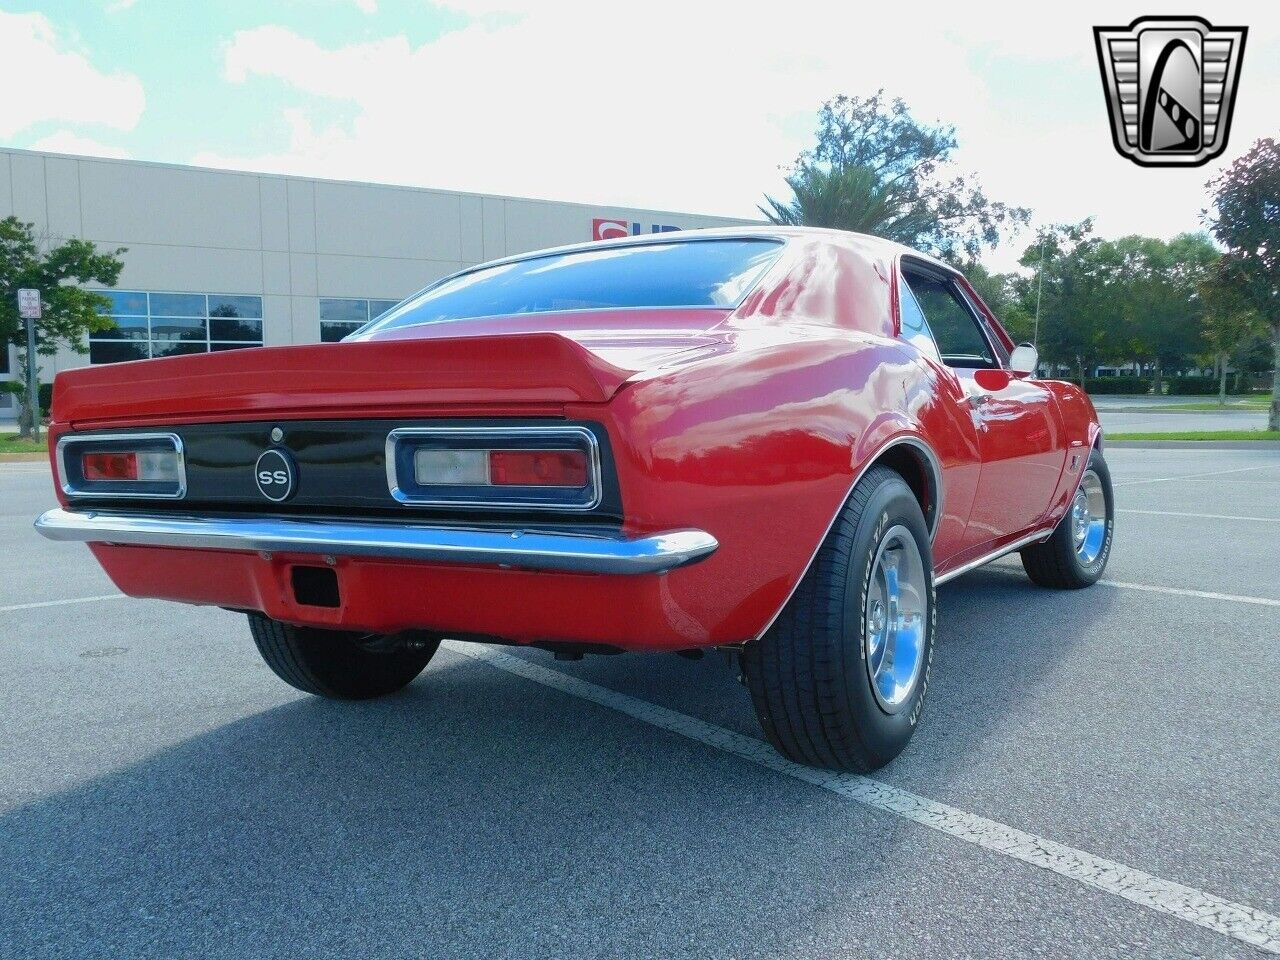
(776, 441)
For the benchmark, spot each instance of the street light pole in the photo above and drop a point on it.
(1035, 336)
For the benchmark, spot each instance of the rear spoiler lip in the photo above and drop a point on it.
(342, 380)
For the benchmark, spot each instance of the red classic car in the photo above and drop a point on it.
(775, 441)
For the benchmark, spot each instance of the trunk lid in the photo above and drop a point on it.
(543, 359)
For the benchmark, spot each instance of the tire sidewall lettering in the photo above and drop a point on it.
(882, 524)
(883, 521)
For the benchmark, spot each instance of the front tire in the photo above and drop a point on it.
(839, 680)
(337, 664)
(1076, 554)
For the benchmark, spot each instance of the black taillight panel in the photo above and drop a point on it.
(341, 469)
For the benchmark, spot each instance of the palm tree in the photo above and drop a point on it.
(845, 198)
(875, 169)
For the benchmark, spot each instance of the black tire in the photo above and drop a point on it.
(335, 663)
(808, 675)
(1056, 563)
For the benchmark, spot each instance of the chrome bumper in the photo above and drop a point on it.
(525, 549)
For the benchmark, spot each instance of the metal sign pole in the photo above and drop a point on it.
(29, 309)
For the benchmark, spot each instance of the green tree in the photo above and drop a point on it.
(876, 169)
(69, 312)
(1072, 274)
(1132, 299)
(1246, 220)
(1004, 293)
(1157, 285)
(1230, 324)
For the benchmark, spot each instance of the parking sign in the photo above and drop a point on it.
(29, 304)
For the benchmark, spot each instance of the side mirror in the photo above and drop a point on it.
(1024, 359)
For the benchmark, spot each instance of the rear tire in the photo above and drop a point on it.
(1076, 553)
(335, 663)
(839, 680)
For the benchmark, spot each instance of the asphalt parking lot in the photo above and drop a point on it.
(1165, 414)
(163, 795)
(1166, 421)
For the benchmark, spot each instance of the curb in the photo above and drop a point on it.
(1273, 445)
(23, 457)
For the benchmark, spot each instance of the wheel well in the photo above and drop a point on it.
(914, 466)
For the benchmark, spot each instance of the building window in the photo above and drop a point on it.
(341, 317)
(171, 324)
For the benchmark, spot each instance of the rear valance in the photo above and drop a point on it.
(296, 381)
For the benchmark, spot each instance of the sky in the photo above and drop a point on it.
(687, 105)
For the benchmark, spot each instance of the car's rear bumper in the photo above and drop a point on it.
(575, 552)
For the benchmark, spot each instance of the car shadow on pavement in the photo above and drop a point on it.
(470, 815)
(480, 814)
(998, 638)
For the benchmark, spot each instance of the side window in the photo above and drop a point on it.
(960, 340)
(915, 328)
(993, 341)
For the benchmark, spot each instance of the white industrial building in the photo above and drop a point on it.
(223, 260)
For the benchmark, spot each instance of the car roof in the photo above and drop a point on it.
(868, 245)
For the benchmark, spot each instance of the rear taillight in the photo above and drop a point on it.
(122, 465)
(160, 466)
(109, 466)
(506, 468)
(550, 468)
(538, 468)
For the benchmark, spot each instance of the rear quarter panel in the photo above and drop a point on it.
(761, 447)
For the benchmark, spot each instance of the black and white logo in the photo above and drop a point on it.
(1171, 86)
(276, 476)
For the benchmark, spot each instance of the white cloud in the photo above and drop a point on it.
(64, 141)
(692, 106)
(41, 80)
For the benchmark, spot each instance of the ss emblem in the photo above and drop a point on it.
(276, 475)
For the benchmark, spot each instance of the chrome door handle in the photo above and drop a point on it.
(978, 399)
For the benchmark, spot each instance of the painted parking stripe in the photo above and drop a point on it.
(1190, 476)
(59, 603)
(1003, 566)
(1202, 516)
(1183, 592)
(1241, 922)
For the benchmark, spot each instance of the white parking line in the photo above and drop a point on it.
(1004, 566)
(1202, 516)
(59, 603)
(1182, 592)
(1244, 923)
(1189, 476)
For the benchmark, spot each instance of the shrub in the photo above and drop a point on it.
(19, 389)
(1194, 386)
(1104, 385)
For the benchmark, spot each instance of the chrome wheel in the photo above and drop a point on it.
(1089, 519)
(894, 619)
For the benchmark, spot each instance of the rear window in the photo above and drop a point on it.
(693, 273)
